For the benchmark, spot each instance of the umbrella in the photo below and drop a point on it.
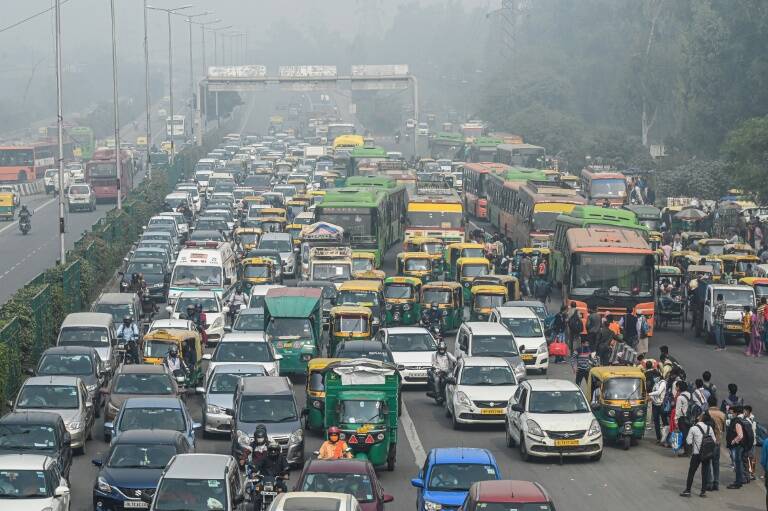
(729, 205)
(690, 214)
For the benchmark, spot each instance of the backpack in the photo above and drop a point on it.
(689, 408)
(574, 323)
(669, 401)
(749, 434)
(708, 445)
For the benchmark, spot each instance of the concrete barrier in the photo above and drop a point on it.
(33, 188)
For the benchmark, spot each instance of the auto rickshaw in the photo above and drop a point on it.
(362, 398)
(401, 301)
(295, 231)
(618, 398)
(759, 284)
(250, 200)
(349, 322)
(7, 206)
(455, 251)
(248, 237)
(654, 240)
(363, 261)
(274, 212)
(375, 275)
(484, 299)
(467, 268)
(157, 343)
(295, 207)
(449, 297)
(315, 392)
(366, 293)
(682, 258)
(738, 249)
(435, 247)
(670, 297)
(690, 239)
(508, 281)
(317, 195)
(717, 267)
(416, 264)
(711, 246)
(299, 183)
(738, 266)
(258, 270)
(272, 223)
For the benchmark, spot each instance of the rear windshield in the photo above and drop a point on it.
(95, 337)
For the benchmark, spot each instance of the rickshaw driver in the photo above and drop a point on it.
(174, 363)
(130, 334)
(334, 448)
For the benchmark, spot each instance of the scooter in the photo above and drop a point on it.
(25, 225)
(263, 489)
(435, 383)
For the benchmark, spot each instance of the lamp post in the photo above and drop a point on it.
(60, 136)
(118, 154)
(191, 67)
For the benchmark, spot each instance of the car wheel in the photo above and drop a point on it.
(510, 440)
(544, 371)
(597, 456)
(523, 450)
(454, 422)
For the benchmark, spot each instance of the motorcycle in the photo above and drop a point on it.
(263, 489)
(25, 225)
(127, 351)
(435, 382)
(433, 325)
(180, 375)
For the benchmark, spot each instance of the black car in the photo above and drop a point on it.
(155, 274)
(207, 235)
(80, 361)
(133, 466)
(374, 350)
(28, 432)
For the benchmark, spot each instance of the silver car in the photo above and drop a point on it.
(219, 393)
(80, 196)
(63, 395)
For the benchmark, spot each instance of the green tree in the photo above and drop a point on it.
(746, 153)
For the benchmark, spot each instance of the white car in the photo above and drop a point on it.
(215, 312)
(528, 330)
(244, 348)
(294, 500)
(181, 223)
(32, 481)
(412, 347)
(552, 418)
(163, 324)
(478, 390)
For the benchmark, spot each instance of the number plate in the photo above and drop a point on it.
(491, 411)
(566, 443)
(626, 406)
(527, 358)
(418, 374)
(135, 504)
(272, 493)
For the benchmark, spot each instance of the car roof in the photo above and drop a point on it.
(341, 466)
(70, 350)
(149, 436)
(197, 466)
(243, 336)
(87, 319)
(485, 361)
(552, 384)
(197, 294)
(485, 328)
(30, 417)
(406, 330)
(508, 491)
(362, 345)
(142, 369)
(266, 385)
(117, 298)
(240, 367)
(516, 312)
(441, 455)
(24, 462)
(153, 402)
(53, 379)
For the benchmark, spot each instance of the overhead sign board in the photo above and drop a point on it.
(307, 71)
(223, 72)
(236, 86)
(380, 84)
(380, 70)
(308, 85)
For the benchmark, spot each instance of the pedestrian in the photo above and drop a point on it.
(575, 325)
(630, 328)
(526, 272)
(643, 328)
(699, 398)
(753, 332)
(657, 393)
(735, 440)
(594, 321)
(682, 421)
(711, 387)
(605, 341)
(718, 423)
(764, 464)
(702, 441)
(719, 322)
(613, 325)
(749, 452)
(732, 400)
(582, 360)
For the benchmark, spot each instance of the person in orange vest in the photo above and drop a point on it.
(334, 448)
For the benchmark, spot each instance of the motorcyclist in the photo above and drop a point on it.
(235, 302)
(431, 316)
(174, 362)
(274, 465)
(258, 447)
(129, 332)
(442, 365)
(334, 448)
(25, 216)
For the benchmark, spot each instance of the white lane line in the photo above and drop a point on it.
(41, 206)
(412, 435)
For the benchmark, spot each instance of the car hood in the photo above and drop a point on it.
(446, 498)
(413, 358)
(132, 477)
(273, 428)
(66, 415)
(117, 399)
(221, 400)
(562, 421)
(31, 504)
(500, 393)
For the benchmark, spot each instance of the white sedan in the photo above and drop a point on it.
(412, 348)
(478, 390)
(32, 481)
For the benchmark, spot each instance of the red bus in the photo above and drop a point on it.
(474, 182)
(25, 163)
(101, 174)
(598, 185)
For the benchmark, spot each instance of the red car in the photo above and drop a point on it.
(352, 476)
(507, 494)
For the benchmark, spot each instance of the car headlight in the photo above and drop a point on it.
(463, 399)
(217, 323)
(74, 425)
(243, 438)
(533, 428)
(214, 409)
(520, 371)
(542, 348)
(296, 437)
(103, 486)
(612, 413)
(432, 506)
(594, 428)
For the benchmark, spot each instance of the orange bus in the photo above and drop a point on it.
(610, 269)
(474, 182)
(23, 163)
(101, 174)
(598, 185)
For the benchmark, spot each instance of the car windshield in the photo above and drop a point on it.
(459, 476)
(79, 190)
(290, 328)
(267, 409)
(359, 411)
(350, 324)
(152, 418)
(399, 291)
(422, 341)
(66, 365)
(418, 264)
(436, 296)
(27, 437)
(242, 351)
(366, 298)
(494, 345)
(488, 301)
(118, 311)
(257, 271)
(331, 271)
(523, 327)
(196, 275)
(623, 388)
(737, 296)
(208, 304)
(487, 376)
(358, 485)
(513, 506)
(156, 348)
(143, 384)
(555, 401)
(23, 484)
(226, 383)
(474, 270)
(191, 495)
(48, 396)
(92, 337)
(251, 322)
(140, 456)
(281, 245)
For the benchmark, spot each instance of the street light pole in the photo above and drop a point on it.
(60, 136)
(191, 68)
(146, 94)
(118, 154)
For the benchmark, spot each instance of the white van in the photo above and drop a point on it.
(736, 297)
(528, 330)
(203, 265)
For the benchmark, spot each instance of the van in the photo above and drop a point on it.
(283, 243)
(93, 330)
(80, 196)
(205, 265)
(484, 339)
(51, 180)
(736, 297)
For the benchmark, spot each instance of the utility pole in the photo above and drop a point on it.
(118, 154)
(191, 64)
(60, 136)
(146, 94)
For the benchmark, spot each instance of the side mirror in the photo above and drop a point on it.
(29, 372)
(67, 438)
(417, 483)
(9, 403)
(517, 407)
(227, 329)
(196, 425)
(388, 498)
(97, 463)
(61, 491)
(89, 404)
(230, 412)
(109, 426)
(278, 356)
(521, 348)
(200, 390)
(207, 356)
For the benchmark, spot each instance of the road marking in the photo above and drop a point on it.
(412, 435)
(44, 204)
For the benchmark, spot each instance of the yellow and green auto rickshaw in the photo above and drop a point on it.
(157, 343)
(416, 264)
(484, 299)
(432, 246)
(366, 293)
(247, 237)
(401, 301)
(449, 297)
(738, 249)
(299, 183)
(348, 322)
(295, 207)
(456, 251)
(315, 391)
(317, 196)
(711, 246)
(739, 266)
(295, 231)
(7, 206)
(508, 281)
(363, 260)
(258, 271)
(375, 275)
(654, 240)
(759, 284)
(618, 398)
(467, 268)
(271, 223)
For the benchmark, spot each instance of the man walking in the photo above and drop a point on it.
(719, 320)
(735, 439)
(526, 272)
(594, 321)
(701, 438)
(582, 361)
(718, 424)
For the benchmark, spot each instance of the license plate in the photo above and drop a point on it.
(491, 411)
(418, 374)
(272, 493)
(287, 344)
(626, 405)
(527, 358)
(135, 504)
(734, 327)
(566, 443)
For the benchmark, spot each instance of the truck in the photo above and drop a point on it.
(333, 264)
(316, 235)
(314, 151)
(295, 326)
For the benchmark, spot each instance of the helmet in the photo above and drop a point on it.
(260, 435)
(127, 320)
(442, 348)
(173, 351)
(333, 430)
(435, 305)
(273, 449)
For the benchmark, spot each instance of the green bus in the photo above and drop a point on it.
(372, 216)
(83, 141)
(589, 216)
(502, 194)
(483, 149)
(363, 160)
(446, 145)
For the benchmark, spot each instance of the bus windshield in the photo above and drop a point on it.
(103, 169)
(608, 188)
(443, 219)
(356, 222)
(612, 274)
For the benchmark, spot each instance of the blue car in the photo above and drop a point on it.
(153, 413)
(133, 467)
(444, 482)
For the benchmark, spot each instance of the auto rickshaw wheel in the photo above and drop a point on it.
(391, 457)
